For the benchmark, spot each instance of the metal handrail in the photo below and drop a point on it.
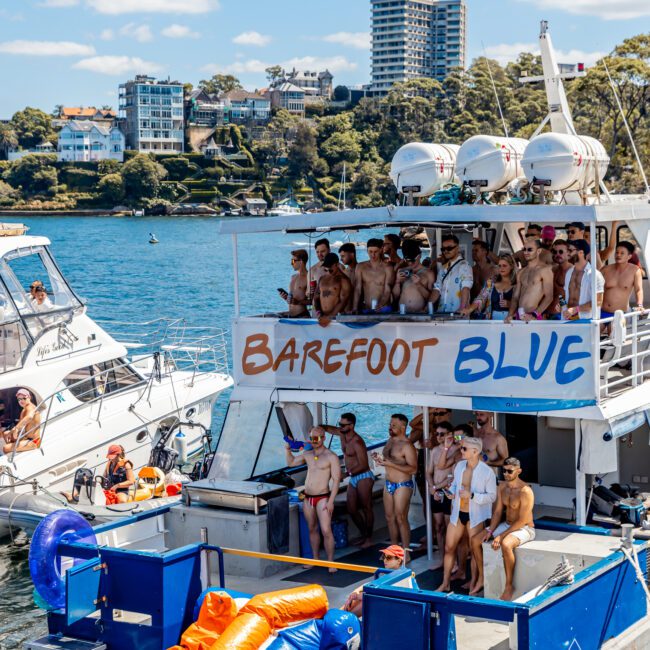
(201, 355)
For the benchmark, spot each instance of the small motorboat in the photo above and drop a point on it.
(152, 238)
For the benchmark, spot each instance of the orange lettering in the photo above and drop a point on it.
(310, 350)
(329, 367)
(406, 357)
(420, 346)
(256, 344)
(382, 356)
(353, 354)
(288, 353)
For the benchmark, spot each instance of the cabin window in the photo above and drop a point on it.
(90, 382)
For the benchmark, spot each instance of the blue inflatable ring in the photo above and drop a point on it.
(44, 560)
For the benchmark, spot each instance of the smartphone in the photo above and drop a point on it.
(281, 290)
(406, 273)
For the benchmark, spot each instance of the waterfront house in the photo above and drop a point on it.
(86, 140)
(318, 86)
(286, 95)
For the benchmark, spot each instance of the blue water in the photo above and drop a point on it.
(110, 264)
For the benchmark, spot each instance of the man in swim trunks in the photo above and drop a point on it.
(413, 282)
(621, 278)
(359, 492)
(334, 289)
(400, 460)
(495, 445)
(373, 282)
(322, 467)
(474, 489)
(392, 244)
(28, 427)
(518, 528)
(560, 252)
(298, 297)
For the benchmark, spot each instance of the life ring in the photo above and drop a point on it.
(44, 561)
(154, 478)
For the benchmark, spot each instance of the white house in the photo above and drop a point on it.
(87, 140)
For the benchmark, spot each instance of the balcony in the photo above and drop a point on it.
(539, 366)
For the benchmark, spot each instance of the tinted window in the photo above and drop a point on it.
(90, 382)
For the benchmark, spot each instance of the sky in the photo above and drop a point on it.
(76, 52)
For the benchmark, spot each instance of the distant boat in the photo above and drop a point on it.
(152, 238)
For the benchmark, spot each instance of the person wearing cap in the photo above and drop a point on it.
(455, 278)
(621, 278)
(577, 283)
(413, 282)
(334, 289)
(473, 490)
(577, 230)
(393, 559)
(547, 237)
(28, 427)
(118, 475)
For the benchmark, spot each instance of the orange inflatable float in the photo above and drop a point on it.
(217, 612)
(246, 632)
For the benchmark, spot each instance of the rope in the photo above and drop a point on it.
(563, 575)
(633, 558)
(449, 195)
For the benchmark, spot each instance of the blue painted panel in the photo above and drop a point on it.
(81, 590)
(395, 623)
(526, 404)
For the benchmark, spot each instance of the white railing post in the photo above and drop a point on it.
(595, 312)
(235, 271)
(635, 361)
(426, 436)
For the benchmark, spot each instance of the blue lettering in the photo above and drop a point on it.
(534, 351)
(503, 372)
(471, 349)
(565, 357)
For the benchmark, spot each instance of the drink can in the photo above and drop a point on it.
(402, 309)
(373, 304)
(430, 308)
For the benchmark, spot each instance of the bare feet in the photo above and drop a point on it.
(457, 575)
(444, 588)
(332, 569)
(478, 587)
(469, 585)
(508, 593)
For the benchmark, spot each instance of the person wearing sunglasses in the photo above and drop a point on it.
(454, 278)
(533, 292)
(495, 445)
(413, 282)
(578, 283)
(373, 282)
(334, 290)
(362, 479)
(561, 265)
(515, 498)
(28, 427)
(474, 490)
(297, 297)
(321, 487)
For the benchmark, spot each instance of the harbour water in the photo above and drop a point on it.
(111, 265)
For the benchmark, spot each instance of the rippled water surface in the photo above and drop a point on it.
(109, 262)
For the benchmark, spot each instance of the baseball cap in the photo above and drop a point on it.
(575, 224)
(548, 232)
(395, 550)
(22, 392)
(114, 450)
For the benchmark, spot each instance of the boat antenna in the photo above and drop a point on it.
(627, 127)
(496, 94)
(342, 189)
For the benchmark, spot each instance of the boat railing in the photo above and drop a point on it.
(624, 348)
(182, 349)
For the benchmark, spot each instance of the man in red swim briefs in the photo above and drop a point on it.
(323, 466)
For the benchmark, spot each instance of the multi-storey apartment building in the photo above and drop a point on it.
(151, 115)
(416, 38)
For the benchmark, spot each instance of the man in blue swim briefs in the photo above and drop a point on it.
(359, 492)
(400, 460)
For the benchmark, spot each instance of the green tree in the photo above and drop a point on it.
(8, 139)
(274, 74)
(220, 83)
(108, 166)
(111, 188)
(32, 126)
(341, 94)
(8, 194)
(34, 173)
(341, 147)
(303, 152)
(177, 168)
(142, 177)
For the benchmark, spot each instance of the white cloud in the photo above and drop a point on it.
(117, 65)
(252, 38)
(46, 48)
(107, 35)
(140, 33)
(606, 9)
(255, 66)
(251, 66)
(116, 7)
(59, 3)
(506, 52)
(179, 31)
(357, 40)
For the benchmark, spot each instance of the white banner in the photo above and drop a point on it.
(544, 361)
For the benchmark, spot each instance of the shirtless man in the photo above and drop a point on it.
(560, 252)
(316, 271)
(578, 283)
(441, 463)
(483, 269)
(334, 289)
(28, 427)
(400, 460)
(534, 231)
(318, 506)
(495, 445)
(359, 492)
(473, 491)
(373, 282)
(518, 528)
(297, 298)
(391, 245)
(621, 278)
(414, 282)
(534, 289)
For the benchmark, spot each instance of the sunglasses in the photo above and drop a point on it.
(464, 448)
(439, 413)
(22, 399)
(383, 556)
(327, 270)
(316, 438)
(344, 424)
(440, 434)
(572, 231)
(509, 471)
(447, 249)
(530, 250)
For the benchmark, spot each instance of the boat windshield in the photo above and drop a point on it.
(24, 268)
